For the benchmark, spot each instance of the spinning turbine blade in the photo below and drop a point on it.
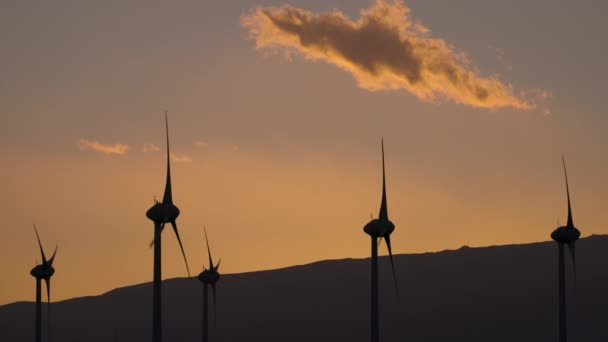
(383, 215)
(570, 220)
(40, 245)
(208, 249)
(48, 289)
(162, 226)
(180, 245)
(48, 298)
(53, 257)
(214, 304)
(168, 196)
(390, 254)
(571, 248)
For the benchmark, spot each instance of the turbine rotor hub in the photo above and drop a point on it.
(42, 271)
(163, 212)
(209, 277)
(565, 234)
(379, 228)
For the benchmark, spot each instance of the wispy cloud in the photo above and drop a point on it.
(384, 49)
(201, 144)
(500, 57)
(149, 147)
(181, 158)
(94, 145)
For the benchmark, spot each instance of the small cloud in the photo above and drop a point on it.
(94, 145)
(201, 144)
(181, 158)
(148, 147)
(541, 97)
(500, 57)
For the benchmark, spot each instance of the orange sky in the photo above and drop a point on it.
(278, 158)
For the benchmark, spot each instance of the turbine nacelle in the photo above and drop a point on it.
(565, 234)
(379, 228)
(209, 276)
(42, 271)
(163, 212)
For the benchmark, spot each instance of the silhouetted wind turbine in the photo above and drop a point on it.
(208, 277)
(161, 213)
(565, 235)
(43, 271)
(378, 229)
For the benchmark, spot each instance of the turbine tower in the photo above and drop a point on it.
(378, 229)
(208, 277)
(43, 271)
(162, 213)
(565, 235)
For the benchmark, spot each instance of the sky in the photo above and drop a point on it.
(276, 115)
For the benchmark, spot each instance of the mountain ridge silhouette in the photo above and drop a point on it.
(496, 293)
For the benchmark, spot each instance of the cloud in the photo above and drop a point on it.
(500, 57)
(148, 147)
(84, 144)
(384, 49)
(201, 144)
(181, 158)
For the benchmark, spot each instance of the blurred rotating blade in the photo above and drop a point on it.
(387, 238)
(208, 249)
(162, 226)
(53, 257)
(571, 248)
(180, 245)
(40, 245)
(48, 297)
(214, 305)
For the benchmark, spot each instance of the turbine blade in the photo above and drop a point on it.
(48, 289)
(390, 254)
(379, 241)
(40, 245)
(180, 246)
(53, 257)
(570, 220)
(168, 196)
(571, 248)
(48, 296)
(214, 305)
(208, 249)
(162, 226)
(217, 267)
(383, 215)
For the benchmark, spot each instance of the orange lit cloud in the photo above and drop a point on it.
(84, 144)
(384, 49)
(180, 158)
(148, 147)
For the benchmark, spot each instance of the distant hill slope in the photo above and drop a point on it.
(501, 293)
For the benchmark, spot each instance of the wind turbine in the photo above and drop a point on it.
(161, 213)
(208, 277)
(378, 229)
(43, 271)
(565, 235)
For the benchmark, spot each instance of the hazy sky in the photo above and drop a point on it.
(276, 148)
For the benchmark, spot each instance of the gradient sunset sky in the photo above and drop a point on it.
(276, 115)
